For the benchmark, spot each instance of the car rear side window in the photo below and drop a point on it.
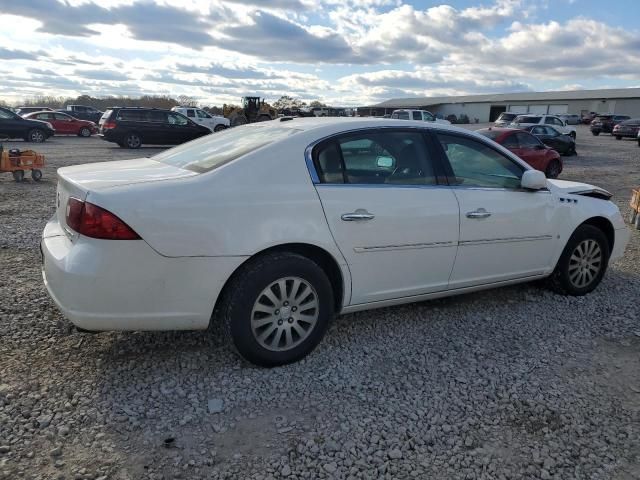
(376, 157)
(400, 115)
(212, 151)
(475, 164)
(191, 113)
(528, 119)
(156, 116)
(132, 115)
(417, 115)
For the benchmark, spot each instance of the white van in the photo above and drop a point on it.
(215, 123)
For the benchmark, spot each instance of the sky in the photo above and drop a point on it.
(341, 52)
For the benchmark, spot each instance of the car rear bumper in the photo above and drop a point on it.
(110, 136)
(126, 285)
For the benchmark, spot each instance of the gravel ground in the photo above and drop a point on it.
(511, 383)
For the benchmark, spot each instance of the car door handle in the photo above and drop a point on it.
(479, 213)
(358, 216)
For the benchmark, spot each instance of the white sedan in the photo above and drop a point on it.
(276, 227)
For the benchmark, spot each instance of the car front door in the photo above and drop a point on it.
(63, 124)
(532, 150)
(205, 119)
(395, 225)
(506, 232)
(11, 125)
(180, 130)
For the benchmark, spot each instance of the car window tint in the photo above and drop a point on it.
(526, 140)
(202, 114)
(191, 113)
(551, 131)
(510, 141)
(539, 131)
(478, 165)
(5, 115)
(175, 119)
(62, 116)
(132, 115)
(428, 117)
(156, 116)
(396, 158)
(329, 164)
(417, 115)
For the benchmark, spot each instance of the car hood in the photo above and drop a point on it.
(578, 188)
(103, 175)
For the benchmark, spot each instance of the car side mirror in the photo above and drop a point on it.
(533, 180)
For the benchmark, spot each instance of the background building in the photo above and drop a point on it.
(486, 108)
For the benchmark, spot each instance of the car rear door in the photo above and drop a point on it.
(506, 232)
(395, 224)
(531, 150)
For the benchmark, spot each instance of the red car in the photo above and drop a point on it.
(65, 124)
(528, 148)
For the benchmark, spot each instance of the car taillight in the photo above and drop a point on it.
(108, 125)
(96, 222)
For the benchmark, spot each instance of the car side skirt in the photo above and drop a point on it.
(434, 295)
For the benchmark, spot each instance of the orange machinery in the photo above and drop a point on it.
(17, 162)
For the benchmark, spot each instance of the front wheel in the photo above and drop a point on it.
(618, 137)
(84, 132)
(36, 175)
(277, 308)
(219, 127)
(583, 262)
(595, 133)
(36, 136)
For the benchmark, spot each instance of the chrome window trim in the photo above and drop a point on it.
(453, 187)
(315, 178)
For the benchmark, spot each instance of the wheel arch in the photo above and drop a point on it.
(605, 226)
(319, 255)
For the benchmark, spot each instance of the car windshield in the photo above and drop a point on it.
(603, 117)
(214, 150)
(507, 116)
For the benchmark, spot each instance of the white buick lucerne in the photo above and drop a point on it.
(274, 228)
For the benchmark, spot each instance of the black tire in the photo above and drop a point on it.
(217, 128)
(246, 289)
(84, 132)
(36, 135)
(18, 175)
(618, 137)
(36, 175)
(595, 134)
(560, 280)
(133, 141)
(553, 169)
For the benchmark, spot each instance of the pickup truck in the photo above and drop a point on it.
(83, 112)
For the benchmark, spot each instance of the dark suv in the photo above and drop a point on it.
(130, 127)
(605, 123)
(13, 125)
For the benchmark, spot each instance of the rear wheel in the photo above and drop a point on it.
(583, 262)
(553, 169)
(133, 140)
(84, 132)
(595, 133)
(18, 175)
(618, 137)
(277, 308)
(36, 175)
(36, 136)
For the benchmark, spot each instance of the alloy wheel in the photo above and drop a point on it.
(37, 136)
(585, 263)
(284, 314)
(133, 141)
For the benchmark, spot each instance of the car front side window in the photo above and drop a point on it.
(175, 119)
(428, 117)
(475, 164)
(389, 157)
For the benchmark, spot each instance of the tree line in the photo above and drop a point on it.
(149, 101)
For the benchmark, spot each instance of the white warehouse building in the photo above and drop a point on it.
(487, 107)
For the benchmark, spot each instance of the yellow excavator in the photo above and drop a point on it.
(254, 109)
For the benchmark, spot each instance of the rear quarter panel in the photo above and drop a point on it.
(258, 201)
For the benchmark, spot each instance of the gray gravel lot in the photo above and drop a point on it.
(510, 383)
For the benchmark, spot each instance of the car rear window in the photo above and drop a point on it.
(400, 115)
(507, 116)
(105, 116)
(212, 151)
